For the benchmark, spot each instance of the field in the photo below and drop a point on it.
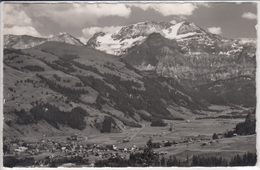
(197, 132)
(226, 147)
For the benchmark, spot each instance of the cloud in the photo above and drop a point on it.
(169, 9)
(78, 15)
(14, 15)
(89, 32)
(22, 30)
(215, 30)
(205, 4)
(173, 22)
(249, 15)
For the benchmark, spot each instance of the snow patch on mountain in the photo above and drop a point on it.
(114, 46)
(247, 40)
(171, 33)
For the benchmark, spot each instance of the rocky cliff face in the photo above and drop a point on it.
(190, 63)
(92, 42)
(153, 51)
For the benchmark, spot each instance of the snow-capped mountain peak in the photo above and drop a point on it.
(141, 29)
(119, 42)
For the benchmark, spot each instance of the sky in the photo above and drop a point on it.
(82, 20)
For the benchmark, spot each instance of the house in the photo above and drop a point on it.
(21, 149)
(74, 137)
(115, 148)
(204, 144)
(63, 148)
(125, 140)
(213, 141)
(14, 144)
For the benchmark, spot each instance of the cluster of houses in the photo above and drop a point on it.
(77, 146)
(72, 146)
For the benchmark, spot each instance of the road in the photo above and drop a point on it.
(134, 135)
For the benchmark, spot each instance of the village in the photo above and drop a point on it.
(77, 146)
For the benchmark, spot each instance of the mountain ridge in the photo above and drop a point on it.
(196, 66)
(27, 41)
(120, 42)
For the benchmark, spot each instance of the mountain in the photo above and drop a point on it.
(60, 88)
(22, 42)
(251, 41)
(66, 38)
(118, 43)
(187, 34)
(153, 52)
(167, 58)
(26, 41)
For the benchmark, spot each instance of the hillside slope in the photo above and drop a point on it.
(238, 91)
(53, 79)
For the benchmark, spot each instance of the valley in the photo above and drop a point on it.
(70, 104)
(187, 139)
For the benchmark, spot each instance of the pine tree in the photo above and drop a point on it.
(215, 136)
(163, 161)
(187, 160)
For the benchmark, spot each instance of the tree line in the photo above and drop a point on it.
(72, 94)
(11, 161)
(248, 127)
(54, 116)
(149, 158)
(33, 68)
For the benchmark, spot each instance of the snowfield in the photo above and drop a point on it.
(114, 46)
